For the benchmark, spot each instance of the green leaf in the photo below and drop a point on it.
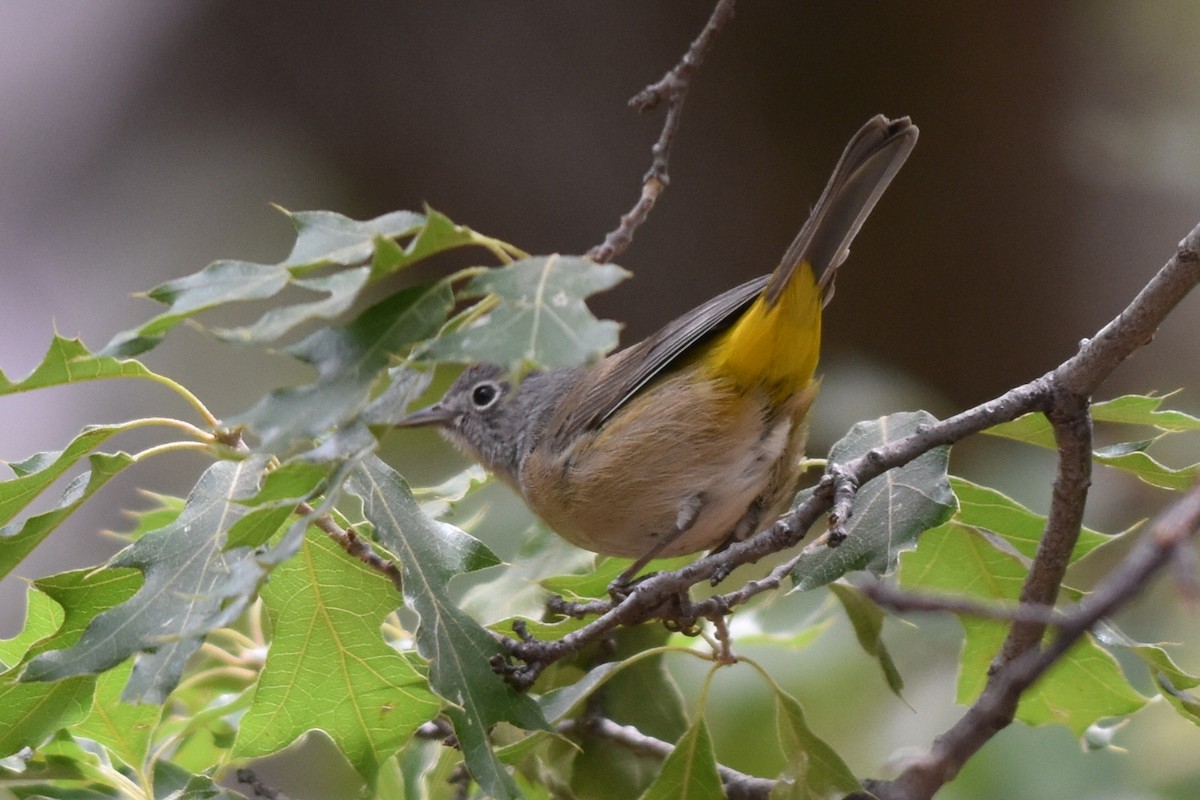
(349, 360)
(219, 283)
(43, 616)
(1136, 409)
(1086, 685)
(867, 619)
(1031, 428)
(536, 315)
(59, 608)
(275, 503)
(815, 771)
(1127, 456)
(592, 584)
(557, 703)
(985, 508)
(68, 361)
(124, 728)
(325, 237)
(82, 595)
(17, 540)
(31, 712)
(290, 483)
(342, 289)
(37, 472)
(191, 582)
(430, 553)
(690, 771)
(329, 667)
(436, 235)
(889, 512)
(1171, 681)
(164, 509)
(1145, 467)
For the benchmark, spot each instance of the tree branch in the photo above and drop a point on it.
(738, 785)
(994, 709)
(1062, 393)
(670, 89)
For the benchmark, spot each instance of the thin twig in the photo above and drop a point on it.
(737, 785)
(889, 596)
(671, 89)
(1053, 392)
(998, 702)
(355, 545)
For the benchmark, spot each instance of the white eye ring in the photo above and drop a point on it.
(484, 395)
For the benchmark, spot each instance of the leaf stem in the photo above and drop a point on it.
(194, 401)
(171, 447)
(187, 427)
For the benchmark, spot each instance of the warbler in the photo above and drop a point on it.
(694, 436)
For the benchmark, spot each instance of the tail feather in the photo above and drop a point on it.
(867, 166)
(776, 342)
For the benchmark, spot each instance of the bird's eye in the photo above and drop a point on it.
(484, 394)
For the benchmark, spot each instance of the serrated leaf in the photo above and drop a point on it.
(31, 712)
(536, 315)
(275, 503)
(329, 667)
(985, 508)
(1134, 409)
(290, 483)
(690, 771)
(125, 729)
(815, 771)
(1032, 428)
(165, 508)
(867, 619)
(1127, 456)
(348, 359)
(43, 616)
(68, 361)
(1145, 467)
(1171, 681)
(82, 595)
(342, 289)
(325, 237)
(17, 540)
(1084, 686)
(219, 283)
(436, 235)
(458, 648)
(186, 591)
(889, 512)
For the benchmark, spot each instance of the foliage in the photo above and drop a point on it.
(239, 619)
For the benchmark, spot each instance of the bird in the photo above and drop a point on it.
(692, 438)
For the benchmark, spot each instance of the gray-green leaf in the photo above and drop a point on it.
(889, 512)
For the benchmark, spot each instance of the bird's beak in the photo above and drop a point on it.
(435, 414)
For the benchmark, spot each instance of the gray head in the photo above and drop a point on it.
(486, 416)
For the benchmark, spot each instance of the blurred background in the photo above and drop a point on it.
(1058, 166)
